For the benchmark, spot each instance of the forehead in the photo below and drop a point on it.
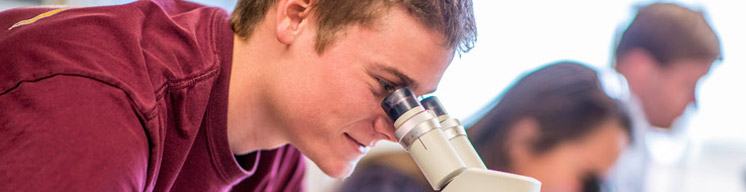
(399, 45)
(411, 49)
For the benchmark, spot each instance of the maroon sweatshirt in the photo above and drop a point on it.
(124, 98)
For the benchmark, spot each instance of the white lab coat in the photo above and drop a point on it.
(630, 170)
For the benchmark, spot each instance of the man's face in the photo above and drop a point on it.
(671, 89)
(330, 103)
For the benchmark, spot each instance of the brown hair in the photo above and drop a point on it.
(670, 32)
(567, 101)
(452, 18)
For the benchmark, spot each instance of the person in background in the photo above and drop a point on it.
(662, 55)
(170, 95)
(555, 124)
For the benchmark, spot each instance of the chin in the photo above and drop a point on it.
(338, 170)
(666, 124)
(660, 121)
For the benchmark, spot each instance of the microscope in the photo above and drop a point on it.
(440, 148)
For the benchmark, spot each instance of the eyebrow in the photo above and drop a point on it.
(402, 77)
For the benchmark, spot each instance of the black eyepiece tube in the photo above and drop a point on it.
(398, 102)
(432, 103)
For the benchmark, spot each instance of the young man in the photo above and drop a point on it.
(175, 96)
(662, 55)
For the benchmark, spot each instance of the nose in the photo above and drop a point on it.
(385, 127)
(694, 102)
(693, 99)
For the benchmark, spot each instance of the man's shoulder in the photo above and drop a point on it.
(43, 21)
(139, 47)
(58, 132)
(39, 42)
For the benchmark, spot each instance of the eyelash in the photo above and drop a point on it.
(386, 86)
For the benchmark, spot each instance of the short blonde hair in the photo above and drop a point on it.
(452, 18)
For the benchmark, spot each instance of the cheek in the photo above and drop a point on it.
(680, 92)
(557, 171)
(356, 101)
(558, 179)
(668, 97)
(340, 91)
(678, 97)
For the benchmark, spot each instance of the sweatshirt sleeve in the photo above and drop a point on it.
(70, 133)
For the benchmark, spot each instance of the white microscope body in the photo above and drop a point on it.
(440, 148)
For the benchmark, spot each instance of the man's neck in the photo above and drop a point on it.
(251, 126)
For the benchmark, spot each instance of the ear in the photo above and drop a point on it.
(638, 65)
(292, 16)
(520, 141)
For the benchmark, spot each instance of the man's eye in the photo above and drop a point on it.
(386, 86)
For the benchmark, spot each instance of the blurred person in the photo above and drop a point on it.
(662, 55)
(555, 124)
(175, 96)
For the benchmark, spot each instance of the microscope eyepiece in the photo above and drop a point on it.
(398, 102)
(432, 103)
(439, 146)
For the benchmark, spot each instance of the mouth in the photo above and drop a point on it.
(360, 147)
